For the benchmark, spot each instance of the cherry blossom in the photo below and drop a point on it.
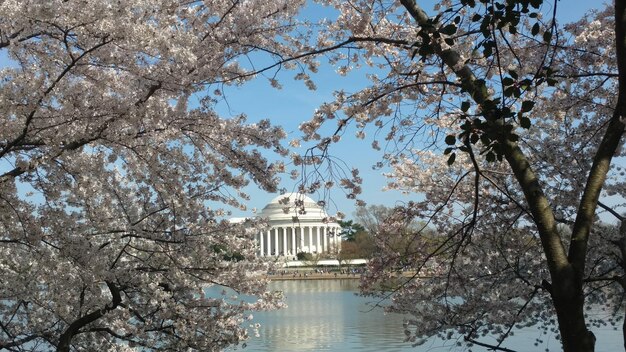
(115, 173)
(507, 126)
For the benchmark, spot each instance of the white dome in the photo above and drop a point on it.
(297, 224)
(292, 198)
(302, 209)
(237, 220)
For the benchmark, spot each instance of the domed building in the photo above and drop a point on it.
(297, 224)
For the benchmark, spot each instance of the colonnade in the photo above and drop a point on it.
(289, 240)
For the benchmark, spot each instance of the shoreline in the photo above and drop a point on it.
(315, 276)
(326, 276)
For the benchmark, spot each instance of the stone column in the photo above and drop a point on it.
(268, 239)
(268, 249)
(293, 241)
(328, 239)
(278, 237)
(318, 247)
(284, 241)
(275, 249)
(261, 243)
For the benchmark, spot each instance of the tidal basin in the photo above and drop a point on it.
(326, 315)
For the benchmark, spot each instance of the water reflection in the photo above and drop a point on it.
(326, 315)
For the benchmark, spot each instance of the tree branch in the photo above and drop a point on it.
(537, 201)
(607, 148)
(66, 338)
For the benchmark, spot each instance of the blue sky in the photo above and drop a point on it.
(294, 103)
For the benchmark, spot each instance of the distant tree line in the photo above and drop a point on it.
(365, 234)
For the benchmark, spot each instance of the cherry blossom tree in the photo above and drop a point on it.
(115, 172)
(507, 122)
(113, 161)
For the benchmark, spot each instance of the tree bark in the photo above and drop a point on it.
(566, 271)
(66, 338)
(567, 279)
(567, 296)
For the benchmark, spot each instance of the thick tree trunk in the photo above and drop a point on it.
(574, 333)
(566, 269)
(621, 244)
(567, 279)
(568, 299)
(567, 292)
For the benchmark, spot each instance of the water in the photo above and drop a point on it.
(326, 315)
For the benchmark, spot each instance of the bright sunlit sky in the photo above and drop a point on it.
(294, 103)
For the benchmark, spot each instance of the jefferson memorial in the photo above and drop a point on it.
(297, 224)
